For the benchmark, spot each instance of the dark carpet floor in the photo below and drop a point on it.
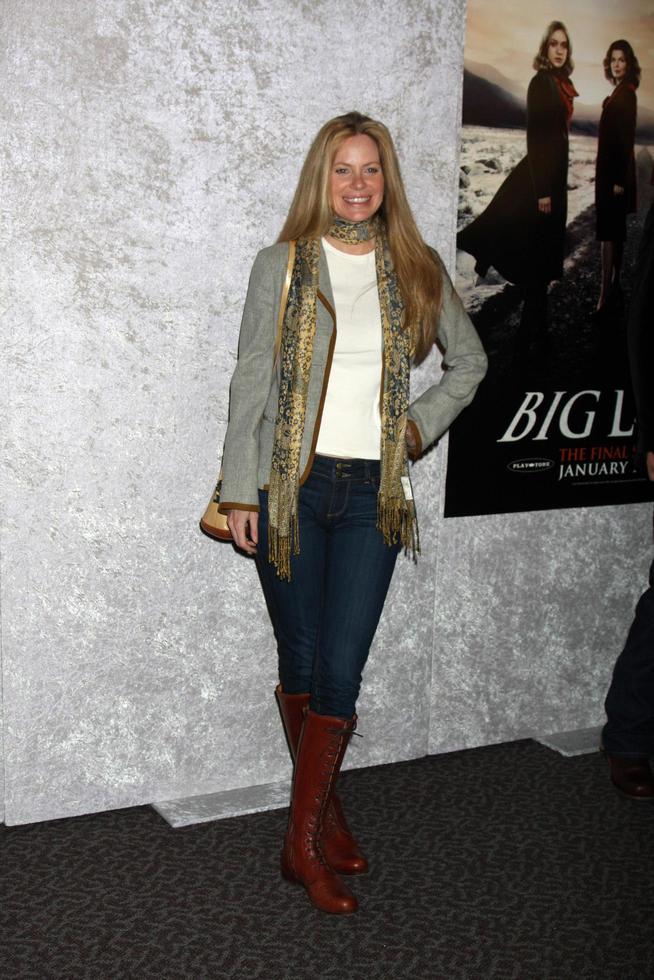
(502, 862)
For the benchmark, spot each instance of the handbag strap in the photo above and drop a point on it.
(282, 304)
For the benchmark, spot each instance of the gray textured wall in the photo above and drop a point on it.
(152, 149)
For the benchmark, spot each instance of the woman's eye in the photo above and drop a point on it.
(340, 170)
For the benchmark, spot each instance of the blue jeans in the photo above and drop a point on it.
(325, 618)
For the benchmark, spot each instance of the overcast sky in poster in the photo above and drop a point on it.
(506, 33)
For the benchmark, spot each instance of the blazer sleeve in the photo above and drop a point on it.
(465, 365)
(249, 390)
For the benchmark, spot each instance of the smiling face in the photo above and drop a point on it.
(557, 49)
(356, 182)
(618, 64)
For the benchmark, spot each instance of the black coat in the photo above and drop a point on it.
(616, 164)
(512, 235)
(641, 337)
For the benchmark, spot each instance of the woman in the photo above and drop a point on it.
(522, 231)
(615, 173)
(315, 478)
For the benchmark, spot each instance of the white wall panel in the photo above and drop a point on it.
(152, 149)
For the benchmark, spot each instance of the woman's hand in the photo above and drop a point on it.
(650, 465)
(244, 525)
(617, 190)
(545, 205)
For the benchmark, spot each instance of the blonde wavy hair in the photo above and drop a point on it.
(417, 267)
(541, 61)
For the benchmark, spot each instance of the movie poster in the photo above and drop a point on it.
(556, 171)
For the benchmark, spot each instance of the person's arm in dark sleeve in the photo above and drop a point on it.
(641, 343)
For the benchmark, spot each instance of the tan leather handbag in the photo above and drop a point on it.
(213, 523)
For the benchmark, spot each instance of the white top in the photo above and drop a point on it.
(351, 420)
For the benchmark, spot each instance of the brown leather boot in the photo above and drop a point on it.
(338, 844)
(322, 746)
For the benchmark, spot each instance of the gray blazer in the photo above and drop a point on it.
(255, 384)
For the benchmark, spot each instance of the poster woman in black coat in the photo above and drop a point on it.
(521, 233)
(615, 174)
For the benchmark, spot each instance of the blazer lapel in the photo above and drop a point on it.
(325, 294)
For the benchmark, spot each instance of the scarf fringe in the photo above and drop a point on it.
(284, 534)
(282, 546)
(397, 520)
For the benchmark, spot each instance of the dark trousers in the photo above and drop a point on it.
(629, 705)
(325, 618)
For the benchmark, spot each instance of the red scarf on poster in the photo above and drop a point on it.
(568, 93)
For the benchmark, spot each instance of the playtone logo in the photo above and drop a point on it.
(530, 465)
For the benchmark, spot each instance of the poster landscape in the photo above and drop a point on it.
(553, 423)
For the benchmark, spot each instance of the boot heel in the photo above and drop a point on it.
(287, 873)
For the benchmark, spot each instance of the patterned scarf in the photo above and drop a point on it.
(396, 517)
